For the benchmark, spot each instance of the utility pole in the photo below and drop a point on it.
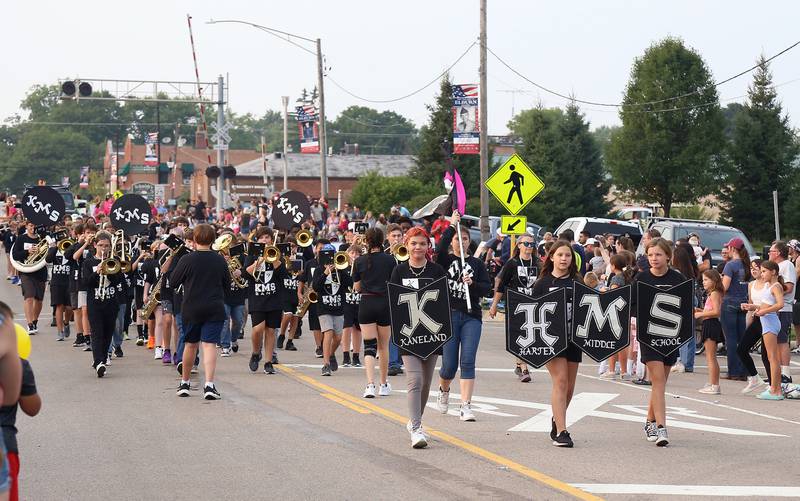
(323, 168)
(484, 146)
(285, 100)
(220, 152)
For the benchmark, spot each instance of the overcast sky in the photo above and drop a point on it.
(384, 50)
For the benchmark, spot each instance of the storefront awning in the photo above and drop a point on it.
(125, 170)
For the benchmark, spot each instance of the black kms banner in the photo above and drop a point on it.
(601, 321)
(536, 328)
(43, 206)
(664, 316)
(420, 317)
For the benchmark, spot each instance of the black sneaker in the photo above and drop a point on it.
(183, 390)
(234, 346)
(786, 379)
(53, 322)
(281, 339)
(180, 368)
(333, 363)
(318, 353)
(31, 331)
(79, 341)
(140, 340)
(211, 393)
(356, 360)
(275, 359)
(268, 368)
(255, 358)
(88, 343)
(553, 430)
(290, 346)
(100, 369)
(326, 370)
(563, 440)
(394, 370)
(118, 352)
(346, 359)
(35, 326)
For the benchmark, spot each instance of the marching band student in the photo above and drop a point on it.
(33, 283)
(351, 335)
(289, 320)
(102, 302)
(394, 236)
(519, 273)
(460, 351)
(150, 272)
(305, 279)
(659, 274)
(142, 256)
(331, 287)
(265, 302)
(371, 273)
(59, 288)
(711, 328)
(205, 278)
(82, 250)
(177, 357)
(415, 273)
(164, 320)
(235, 298)
(74, 273)
(559, 271)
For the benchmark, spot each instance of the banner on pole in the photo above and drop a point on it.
(151, 149)
(466, 126)
(308, 127)
(84, 177)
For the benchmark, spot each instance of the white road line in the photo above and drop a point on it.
(756, 491)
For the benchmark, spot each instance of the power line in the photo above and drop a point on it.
(383, 101)
(377, 126)
(648, 103)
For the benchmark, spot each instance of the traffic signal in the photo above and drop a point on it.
(213, 172)
(72, 87)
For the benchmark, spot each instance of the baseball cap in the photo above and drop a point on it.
(735, 242)
(590, 241)
(693, 240)
(794, 244)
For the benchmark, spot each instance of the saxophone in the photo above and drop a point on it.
(308, 297)
(152, 302)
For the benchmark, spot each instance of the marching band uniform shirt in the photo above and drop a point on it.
(416, 278)
(373, 270)
(235, 296)
(205, 277)
(62, 268)
(332, 292)
(77, 272)
(8, 240)
(177, 292)
(20, 253)
(138, 278)
(518, 274)
(267, 293)
(481, 284)
(166, 286)
(290, 286)
(306, 277)
(91, 282)
(351, 298)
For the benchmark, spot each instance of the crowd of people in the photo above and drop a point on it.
(190, 281)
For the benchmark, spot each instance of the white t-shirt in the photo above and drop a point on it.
(787, 271)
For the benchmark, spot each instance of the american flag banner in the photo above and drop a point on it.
(466, 126)
(150, 149)
(309, 130)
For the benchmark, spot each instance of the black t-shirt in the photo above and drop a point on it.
(549, 283)
(267, 292)
(75, 276)
(416, 278)
(8, 240)
(205, 277)
(309, 270)
(290, 286)
(373, 271)
(8, 413)
(62, 267)
(671, 278)
(481, 284)
(235, 296)
(518, 274)
(177, 291)
(332, 291)
(20, 253)
(112, 294)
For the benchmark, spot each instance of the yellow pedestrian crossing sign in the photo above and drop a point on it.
(514, 184)
(513, 225)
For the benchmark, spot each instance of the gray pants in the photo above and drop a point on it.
(419, 374)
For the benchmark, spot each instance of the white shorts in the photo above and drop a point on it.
(82, 295)
(333, 323)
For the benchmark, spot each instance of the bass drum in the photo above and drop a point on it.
(26, 268)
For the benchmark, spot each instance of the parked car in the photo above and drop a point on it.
(601, 226)
(712, 235)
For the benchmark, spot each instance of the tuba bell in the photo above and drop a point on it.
(35, 261)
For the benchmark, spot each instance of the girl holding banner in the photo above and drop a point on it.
(467, 283)
(559, 271)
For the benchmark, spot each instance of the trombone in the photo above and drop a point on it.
(304, 238)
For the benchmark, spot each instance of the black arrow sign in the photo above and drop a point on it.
(513, 225)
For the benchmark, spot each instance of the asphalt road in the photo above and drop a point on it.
(297, 435)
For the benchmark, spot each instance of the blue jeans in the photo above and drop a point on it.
(687, 354)
(466, 336)
(733, 326)
(178, 356)
(233, 314)
(394, 355)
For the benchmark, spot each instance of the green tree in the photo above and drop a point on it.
(668, 151)
(247, 130)
(762, 151)
(375, 132)
(378, 193)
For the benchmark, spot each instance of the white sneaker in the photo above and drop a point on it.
(710, 389)
(609, 375)
(625, 377)
(385, 389)
(108, 360)
(418, 440)
(226, 352)
(753, 383)
(443, 401)
(678, 367)
(369, 391)
(466, 412)
(159, 353)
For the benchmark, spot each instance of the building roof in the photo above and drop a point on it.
(338, 166)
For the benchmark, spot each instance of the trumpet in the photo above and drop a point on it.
(400, 252)
(304, 238)
(65, 244)
(309, 297)
(341, 260)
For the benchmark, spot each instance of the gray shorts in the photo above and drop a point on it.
(333, 323)
(82, 295)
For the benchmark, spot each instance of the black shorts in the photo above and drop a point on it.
(290, 306)
(313, 318)
(59, 295)
(651, 355)
(572, 353)
(712, 329)
(272, 318)
(796, 313)
(31, 287)
(351, 316)
(139, 297)
(73, 299)
(374, 310)
(786, 326)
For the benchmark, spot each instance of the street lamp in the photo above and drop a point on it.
(323, 171)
